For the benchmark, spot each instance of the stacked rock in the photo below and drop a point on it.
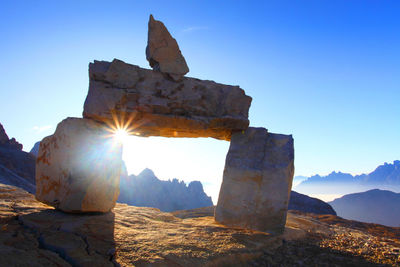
(163, 52)
(78, 167)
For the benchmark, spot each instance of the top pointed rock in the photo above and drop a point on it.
(163, 52)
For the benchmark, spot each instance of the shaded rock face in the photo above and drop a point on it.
(257, 180)
(78, 167)
(3, 135)
(35, 149)
(163, 52)
(8, 143)
(154, 106)
(146, 190)
(308, 204)
(16, 166)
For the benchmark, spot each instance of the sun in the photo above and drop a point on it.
(121, 135)
(120, 128)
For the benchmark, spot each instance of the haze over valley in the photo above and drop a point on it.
(337, 184)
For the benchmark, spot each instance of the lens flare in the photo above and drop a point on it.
(121, 135)
(122, 126)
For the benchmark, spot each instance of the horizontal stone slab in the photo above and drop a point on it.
(151, 104)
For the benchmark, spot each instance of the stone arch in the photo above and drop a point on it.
(144, 102)
(72, 175)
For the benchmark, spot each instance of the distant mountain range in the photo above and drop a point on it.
(374, 206)
(298, 179)
(146, 190)
(386, 176)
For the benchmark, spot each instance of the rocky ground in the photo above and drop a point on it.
(33, 234)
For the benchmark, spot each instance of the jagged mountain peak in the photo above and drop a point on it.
(385, 176)
(8, 143)
(148, 173)
(146, 190)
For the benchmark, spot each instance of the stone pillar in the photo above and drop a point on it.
(257, 181)
(78, 167)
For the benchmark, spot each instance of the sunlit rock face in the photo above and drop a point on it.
(155, 106)
(78, 167)
(257, 181)
(163, 52)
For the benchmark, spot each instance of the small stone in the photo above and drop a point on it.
(78, 167)
(163, 52)
(257, 181)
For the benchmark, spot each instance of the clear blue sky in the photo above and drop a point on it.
(327, 72)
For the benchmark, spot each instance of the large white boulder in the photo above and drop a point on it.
(78, 167)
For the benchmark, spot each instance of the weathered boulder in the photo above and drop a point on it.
(151, 105)
(257, 181)
(78, 167)
(163, 52)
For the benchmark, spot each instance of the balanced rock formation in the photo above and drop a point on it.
(163, 52)
(78, 167)
(151, 105)
(257, 180)
(71, 176)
